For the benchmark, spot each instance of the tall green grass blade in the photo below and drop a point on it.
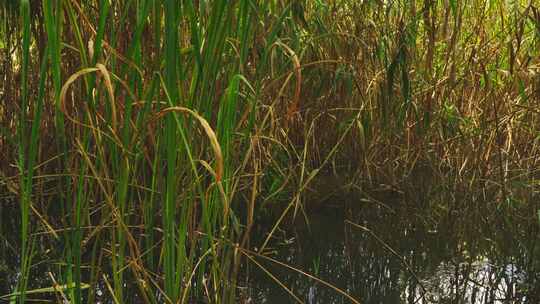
(25, 172)
(171, 269)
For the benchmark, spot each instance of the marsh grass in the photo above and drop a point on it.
(151, 135)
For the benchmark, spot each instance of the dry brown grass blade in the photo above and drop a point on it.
(209, 133)
(110, 289)
(44, 221)
(323, 282)
(57, 287)
(110, 90)
(108, 84)
(133, 246)
(68, 82)
(293, 107)
(192, 274)
(214, 143)
(275, 279)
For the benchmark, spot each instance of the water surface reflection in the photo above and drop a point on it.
(400, 254)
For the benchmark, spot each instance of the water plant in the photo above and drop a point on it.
(142, 140)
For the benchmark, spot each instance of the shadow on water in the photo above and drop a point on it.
(377, 250)
(394, 253)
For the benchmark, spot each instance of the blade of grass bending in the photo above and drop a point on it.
(95, 50)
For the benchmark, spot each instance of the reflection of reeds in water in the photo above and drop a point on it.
(134, 132)
(479, 281)
(393, 257)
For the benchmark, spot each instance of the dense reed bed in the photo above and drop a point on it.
(141, 140)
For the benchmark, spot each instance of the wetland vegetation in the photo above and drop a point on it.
(253, 151)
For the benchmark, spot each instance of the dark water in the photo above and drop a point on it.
(394, 253)
(376, 251)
